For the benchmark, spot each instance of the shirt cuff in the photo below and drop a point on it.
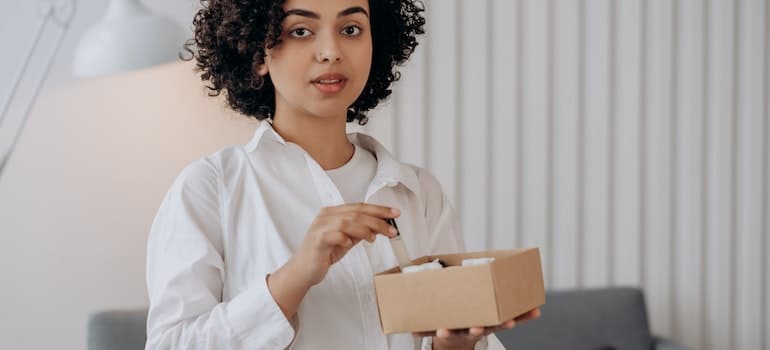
(482, 344)
(427, 343)
(256, 307)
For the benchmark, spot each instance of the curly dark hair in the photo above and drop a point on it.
(231, 37)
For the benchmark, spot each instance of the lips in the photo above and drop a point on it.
(329, 77)
(330, 82)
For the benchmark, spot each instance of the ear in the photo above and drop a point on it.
(262, 69)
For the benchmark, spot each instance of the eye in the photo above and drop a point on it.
(300, 33)
(351, 30)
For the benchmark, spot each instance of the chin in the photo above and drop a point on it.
(322, 114)
(329, 111)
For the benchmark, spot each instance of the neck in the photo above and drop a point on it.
(323, 138)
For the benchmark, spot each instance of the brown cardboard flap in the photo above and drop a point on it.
(418, 261)
(456, 259)
(519, 278)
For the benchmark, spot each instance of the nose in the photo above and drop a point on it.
(328, 49)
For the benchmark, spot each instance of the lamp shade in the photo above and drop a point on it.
(128, 37)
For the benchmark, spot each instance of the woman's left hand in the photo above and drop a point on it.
(465, 339)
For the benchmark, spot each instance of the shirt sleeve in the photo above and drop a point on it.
(489, 342)
(185, 274)
(446, 237)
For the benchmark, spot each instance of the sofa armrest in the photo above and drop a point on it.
(117, 330)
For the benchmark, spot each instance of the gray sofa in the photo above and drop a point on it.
(593, 319)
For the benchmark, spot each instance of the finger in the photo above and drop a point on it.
(493, 329)
(508, 324)
(443, 333)
(362, 226)
(355, 240)
(379, 211)
(530, 315)
(478, 331)
(354, 229)
(331, 239)
(484, 331)
(374, 223)
(461, 333)
(473, 331)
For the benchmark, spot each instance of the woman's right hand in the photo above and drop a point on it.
(331, 235)
(334, 232)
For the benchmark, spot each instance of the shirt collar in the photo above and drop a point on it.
(390, 171)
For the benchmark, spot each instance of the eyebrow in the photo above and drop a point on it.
(310, 14)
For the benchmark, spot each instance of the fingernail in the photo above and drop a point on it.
(392, 230)
(395, 211)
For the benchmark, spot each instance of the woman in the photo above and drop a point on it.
(274, 244)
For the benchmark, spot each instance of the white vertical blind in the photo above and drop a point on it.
(720, 237)
(627, 113)
(566, 126)
(474, 106)
(748, 191)
(629, 140)
(504, 151)
(689, 258)
(658, 121)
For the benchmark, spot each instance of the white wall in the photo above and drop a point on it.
(628, 139)
(80, 193)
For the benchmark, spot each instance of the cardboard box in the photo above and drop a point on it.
(460, 296)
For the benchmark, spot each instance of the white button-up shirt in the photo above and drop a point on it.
(237, 215)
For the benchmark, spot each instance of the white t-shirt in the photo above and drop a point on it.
(353, 178)
(233, 217)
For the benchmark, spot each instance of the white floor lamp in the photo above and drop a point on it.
(60, 16)
(128, 37)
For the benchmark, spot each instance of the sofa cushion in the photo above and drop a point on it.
(611, 318)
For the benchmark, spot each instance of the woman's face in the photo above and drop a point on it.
(323, 62)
